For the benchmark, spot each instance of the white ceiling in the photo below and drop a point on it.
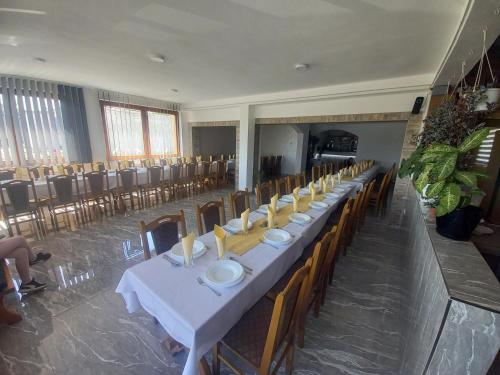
(225, 48)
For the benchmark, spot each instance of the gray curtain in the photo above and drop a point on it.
(76, 129)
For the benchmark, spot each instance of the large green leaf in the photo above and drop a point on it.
(481, 174)
(434, 189)
(449, 198)
(440, 211)
(444, 167)
(423, 178)
(430, 157)
(467, 178)
(474, 140)
(441, 148)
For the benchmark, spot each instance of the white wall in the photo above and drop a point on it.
(380, 141)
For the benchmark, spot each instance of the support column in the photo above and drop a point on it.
(246, 149)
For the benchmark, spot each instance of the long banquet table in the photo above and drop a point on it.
(192, 314)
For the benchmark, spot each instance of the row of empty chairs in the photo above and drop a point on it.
(266, 335)
(88, 192)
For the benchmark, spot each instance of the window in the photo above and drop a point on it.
(135, 131)
(485, 148)
(31, 125)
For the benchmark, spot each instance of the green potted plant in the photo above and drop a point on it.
(442, 165)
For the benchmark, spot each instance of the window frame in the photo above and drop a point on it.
(145, 129)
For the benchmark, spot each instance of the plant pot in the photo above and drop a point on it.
(460, 223)
(492, 97)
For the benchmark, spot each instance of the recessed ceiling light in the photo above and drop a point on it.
(301, 67)
(174, 90)
(157, 58)
(39, 59)
(25, 11)
(12, 42)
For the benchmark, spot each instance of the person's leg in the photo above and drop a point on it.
(20, 255)
(11, 243)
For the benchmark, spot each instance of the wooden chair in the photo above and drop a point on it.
(189, 180)
(97, 192)
(265, 335)
(300, 179)
(220, 173)
(155, 185)
(64, 198)
(165, 233)
(291, 181)
(239, 202)
(21, 208)
(6, 286)
(282, 186)
(353, 219)
(204, 175)
(263, 193)
(365, 203)
(34, 172)
(174, 183)
(209, 214)
(315, 173)
(315, 282)
(98, 166)
(377, 195)
(7, 174)
(127, 188)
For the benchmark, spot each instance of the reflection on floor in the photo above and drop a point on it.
(80, 325)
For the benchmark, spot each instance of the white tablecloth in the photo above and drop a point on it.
(192, 314)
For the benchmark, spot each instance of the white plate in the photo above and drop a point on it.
(263, 209)
(199, 249)
(318, 205)
(234, 225)
(277, 236)
(287, 198)
(332, 195)
(224, 273)
(304, 191)
(297, 217)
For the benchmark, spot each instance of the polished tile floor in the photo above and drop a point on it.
(79, 325)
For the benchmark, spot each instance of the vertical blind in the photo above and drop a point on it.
(485, 148)
(31, 123)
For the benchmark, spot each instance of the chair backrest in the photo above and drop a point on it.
(34, 173)
(98, 166)
(221, 168)
(281, 187)
(209, 214)
(291, 181)
(127, 180)
(155, 176)
(319, 256)
(97, 182)
(239, 202)
(18, 193)
(175, 173)
(263, 193)
(165, 232)
(205, 168)
(315, 173)
(190, 170)
(287, 309)
(300, 179)
(7, 174)
(366, 200)
(337, 232)
(63, 187)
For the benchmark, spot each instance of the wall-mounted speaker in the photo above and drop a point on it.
(418, 104)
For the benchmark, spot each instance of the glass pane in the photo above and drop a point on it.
(162, 133)
(124, 127)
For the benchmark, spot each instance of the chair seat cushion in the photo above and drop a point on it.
(249, 335)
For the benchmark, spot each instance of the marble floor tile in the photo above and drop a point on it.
(79, 325)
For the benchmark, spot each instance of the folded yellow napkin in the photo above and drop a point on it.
(187, 247)
(324, 187)
(320, 183)
(274, 202)
(270, 217)
(295, 202)
(312, 190)
(296, 190)
(220, 240)
(244, 220)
